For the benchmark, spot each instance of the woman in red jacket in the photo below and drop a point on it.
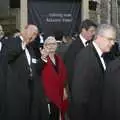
(54, 76)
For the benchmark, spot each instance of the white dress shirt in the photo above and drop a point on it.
(100, 55)
(26, 52)
(29, 59)
(83, 40)
(0, 46)
(41, 39)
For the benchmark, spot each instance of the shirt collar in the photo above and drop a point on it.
(21, 37)
(0, 46)
(83, 40)
(97, 49)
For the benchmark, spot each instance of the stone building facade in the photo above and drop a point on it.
(107, 11)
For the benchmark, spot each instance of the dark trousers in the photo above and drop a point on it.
(31, 89)
(54, 112)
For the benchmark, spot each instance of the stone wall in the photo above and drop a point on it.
(106, 12)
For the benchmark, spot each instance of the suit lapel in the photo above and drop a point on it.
(97, 56)
(78, 45)
(32, 56)
(79, 41)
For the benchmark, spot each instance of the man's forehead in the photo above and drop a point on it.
(92, 28)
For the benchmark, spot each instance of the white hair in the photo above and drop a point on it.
(104, 27)
(50, 38)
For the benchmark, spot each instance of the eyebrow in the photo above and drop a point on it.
(110, 38)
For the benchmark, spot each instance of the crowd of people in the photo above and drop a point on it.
(60, 78)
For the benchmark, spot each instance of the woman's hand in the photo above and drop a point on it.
(65, 95)
(44, 53)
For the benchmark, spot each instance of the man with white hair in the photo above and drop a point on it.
(89, 72)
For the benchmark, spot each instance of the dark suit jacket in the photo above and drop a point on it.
(70, 56)
(25, 98)
(111, 92)
(62, 48)
(3, 75)
(36, 45)
(87, 86)
(113, 54)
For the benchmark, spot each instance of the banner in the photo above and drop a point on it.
(4, 8)
(55, 16)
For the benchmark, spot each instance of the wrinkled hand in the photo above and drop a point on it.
(44, 53)
(65, 95)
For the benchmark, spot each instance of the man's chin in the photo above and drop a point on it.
(108, 50)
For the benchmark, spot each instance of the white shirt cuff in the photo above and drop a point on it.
(0, 46)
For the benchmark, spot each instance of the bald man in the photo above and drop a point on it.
(24, 97)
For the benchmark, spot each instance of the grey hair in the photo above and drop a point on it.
(104, 27)
(49, 39)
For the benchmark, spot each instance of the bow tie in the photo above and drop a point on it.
(103, 55)
(87, 42)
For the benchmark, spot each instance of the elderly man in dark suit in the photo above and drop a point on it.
(88, 77)
(24, 96)
(86, 33)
